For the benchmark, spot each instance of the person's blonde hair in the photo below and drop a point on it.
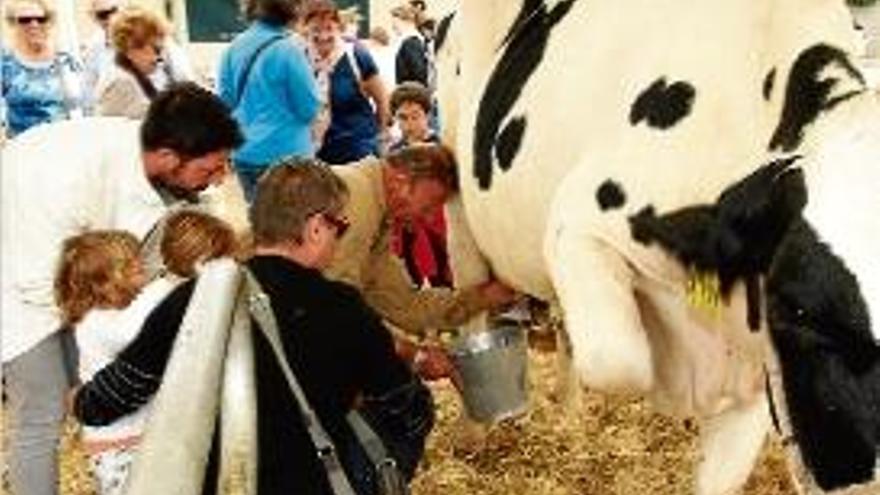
(9, 10)
(135, 27)
(350, 15)
(93, 273)
(407, 12)
(191, 237)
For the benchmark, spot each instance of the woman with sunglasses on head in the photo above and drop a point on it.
(125, 89)
(39, 83)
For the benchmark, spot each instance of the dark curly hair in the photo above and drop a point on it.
(190, 120)
(411, 91)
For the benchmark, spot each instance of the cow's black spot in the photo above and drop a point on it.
(610, 195)
(523, 48)
(509, 142)
(807, 94)
(820, 328)
(443, 31)
(769, 81)
(661, 105)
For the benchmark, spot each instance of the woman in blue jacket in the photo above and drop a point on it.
(266, 80)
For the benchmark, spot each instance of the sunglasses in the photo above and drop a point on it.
(103, 15)
(28, 19)
(340, 223)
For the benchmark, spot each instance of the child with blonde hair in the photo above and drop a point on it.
(101, 290)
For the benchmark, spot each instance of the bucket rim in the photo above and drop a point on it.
(486, 340)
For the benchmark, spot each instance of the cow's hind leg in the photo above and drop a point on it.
(566, 391)
(593, 282)
(729, 446)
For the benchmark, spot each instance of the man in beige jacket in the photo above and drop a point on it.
(407, 184)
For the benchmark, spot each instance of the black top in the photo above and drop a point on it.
(337, 347)
(411, 63)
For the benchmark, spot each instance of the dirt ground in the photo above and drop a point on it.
(601, 446)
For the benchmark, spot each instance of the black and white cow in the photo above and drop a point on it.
(577, 115)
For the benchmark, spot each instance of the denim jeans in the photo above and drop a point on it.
(36, 383)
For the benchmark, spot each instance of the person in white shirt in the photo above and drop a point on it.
(96, 288)
(59, 180)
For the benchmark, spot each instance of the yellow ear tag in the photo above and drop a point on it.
(704, 291)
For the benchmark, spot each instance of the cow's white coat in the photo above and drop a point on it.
(540, 228)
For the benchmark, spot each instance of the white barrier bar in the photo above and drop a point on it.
(174, 450)
(238, 413)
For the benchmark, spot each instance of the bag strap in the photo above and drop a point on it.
(243, 75)
(355, 67)
(261, 310)
(349, 54)
(371, 442)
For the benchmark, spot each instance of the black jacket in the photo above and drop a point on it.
(337, 347)
(411, 62)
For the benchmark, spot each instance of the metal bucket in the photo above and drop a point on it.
(492, 366)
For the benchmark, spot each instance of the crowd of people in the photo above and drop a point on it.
(104, 239)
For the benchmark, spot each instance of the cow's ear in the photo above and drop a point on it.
(757, 198)
(790, 193)
(759, 209)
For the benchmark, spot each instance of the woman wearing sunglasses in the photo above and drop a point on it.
(126, 89)
(39, 83)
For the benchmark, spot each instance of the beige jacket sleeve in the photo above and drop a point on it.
(121, 96)
(364, 259)
(388, 289)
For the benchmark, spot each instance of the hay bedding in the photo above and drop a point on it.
(601, 446)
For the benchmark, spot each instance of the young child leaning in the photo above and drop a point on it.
(101, 290)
